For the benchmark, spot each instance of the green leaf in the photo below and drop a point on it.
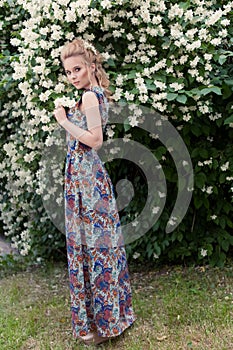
(204, 91)
(222, 178)
(131, 75)
(225, 245)
(228, 120)
(222, 59)
(195, 152)
(200, 180)
(184, 5)
(196, 130)
(160, 151)
(151, 87)
(197, 202)
(127, 126)
(222, 222)
(210, 89)
(111, 63)
(171, 96)
(181, 99)
(203, 153)
(229, 82)
(227, 91)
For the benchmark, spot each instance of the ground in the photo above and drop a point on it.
(177, 308)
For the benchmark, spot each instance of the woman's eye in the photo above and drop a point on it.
(77, 69)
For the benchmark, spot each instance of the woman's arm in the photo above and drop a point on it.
(93, 136)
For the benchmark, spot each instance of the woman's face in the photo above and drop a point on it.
(77, 72)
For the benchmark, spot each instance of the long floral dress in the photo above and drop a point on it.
(101, 298)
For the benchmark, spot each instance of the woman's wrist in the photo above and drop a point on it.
(64, 122)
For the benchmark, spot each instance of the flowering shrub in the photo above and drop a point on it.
(172, 56)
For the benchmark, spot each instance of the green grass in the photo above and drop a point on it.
(177, 308)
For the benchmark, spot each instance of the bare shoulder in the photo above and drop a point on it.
(89, 98)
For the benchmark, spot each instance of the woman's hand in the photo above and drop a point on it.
(60, 115)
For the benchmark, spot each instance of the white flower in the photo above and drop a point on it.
(115, 150)
(190, 33)
(223, 33)
(161, 194)
(129, 97)
(59, 200)
(64, 101)
(176, 86)
(184, 163)
(70, 15)
(110, 132)
(160, 85)
(183, 59)
(212, 19)
(44, 96)
(216, 41)
(143, 98)
(9, 148)
(130, 36)
(208, 162)
(172, 221)
(136, 255)
(213, 217)
(229, 178)
(89, 46)
(187, 117)
(175, 11)
(155, 210)
(133, 121)
(159, 65)
(135, 223)
(158, 97)
(225, 22)
(127, 137)
(208, 67)
(188, 15)
(204, 252)
(195, 45)
(208, 189)
(154, 136)
(15, 42)
(29, 157)
(118, 93)
(156, 256)
(204, 109)
(208, 56)
(119, 80)
(194, 63)
(176, 31)
(193, 72)
(225, 166)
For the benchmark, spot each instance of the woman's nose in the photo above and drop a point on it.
(73, 75)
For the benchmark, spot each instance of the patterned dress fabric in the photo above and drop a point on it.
(101, 297)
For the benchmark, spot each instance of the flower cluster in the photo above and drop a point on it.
(166, 55)
(89, 46)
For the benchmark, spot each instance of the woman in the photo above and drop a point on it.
(101, 298)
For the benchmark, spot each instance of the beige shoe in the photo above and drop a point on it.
(99, 340)
(93, 338)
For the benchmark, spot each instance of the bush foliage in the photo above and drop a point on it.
(174, 57)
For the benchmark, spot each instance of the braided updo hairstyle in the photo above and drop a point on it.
(80, 47)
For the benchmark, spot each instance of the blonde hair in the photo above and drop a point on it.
(80, 47)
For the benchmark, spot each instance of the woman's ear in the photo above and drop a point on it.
(92, 67)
